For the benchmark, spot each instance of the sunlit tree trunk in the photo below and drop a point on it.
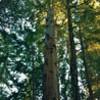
(86, 68)
(50, 81)
(73, 62)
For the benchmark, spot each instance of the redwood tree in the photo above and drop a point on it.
(50, 81)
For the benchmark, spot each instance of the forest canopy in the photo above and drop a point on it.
(49, 50)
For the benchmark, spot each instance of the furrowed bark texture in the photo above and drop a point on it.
(50, 81)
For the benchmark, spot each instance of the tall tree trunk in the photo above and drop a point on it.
(73, 62)
(86, 68)
(50, 80)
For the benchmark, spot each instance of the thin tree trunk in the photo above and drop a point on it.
(86, 68)
(50, 80)
(73, 62)
(33, 80)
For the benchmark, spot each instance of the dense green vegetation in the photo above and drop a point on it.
(49, 50)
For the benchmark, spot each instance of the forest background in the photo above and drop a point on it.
(49, 49)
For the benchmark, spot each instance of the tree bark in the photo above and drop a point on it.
(50, 79)
(73, 62)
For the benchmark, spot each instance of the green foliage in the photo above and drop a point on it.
(22, 29)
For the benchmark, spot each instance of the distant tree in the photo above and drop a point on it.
(73, 62)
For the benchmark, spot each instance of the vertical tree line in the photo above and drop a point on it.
(50, 82)
(73, 59)
(36, 63)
